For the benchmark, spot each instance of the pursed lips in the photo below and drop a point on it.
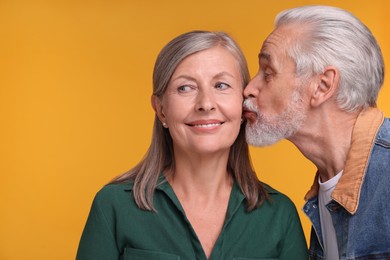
(249, 114)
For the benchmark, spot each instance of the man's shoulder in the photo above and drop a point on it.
(384, 130)
(383, 135)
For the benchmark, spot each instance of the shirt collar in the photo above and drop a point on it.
(235, 200)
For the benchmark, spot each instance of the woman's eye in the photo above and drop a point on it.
(222, 86)
(184, 88)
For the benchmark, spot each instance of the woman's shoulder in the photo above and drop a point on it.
(277, 198)
(112, 192)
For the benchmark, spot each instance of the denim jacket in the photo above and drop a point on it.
(360, 206)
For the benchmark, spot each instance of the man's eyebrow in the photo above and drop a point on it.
(264, 56)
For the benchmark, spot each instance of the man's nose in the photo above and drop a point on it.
(252, 89)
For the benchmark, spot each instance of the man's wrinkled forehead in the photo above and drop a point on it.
(268, 50)
(276, 43)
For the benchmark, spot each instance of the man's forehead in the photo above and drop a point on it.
(276, 44)
(277, 39)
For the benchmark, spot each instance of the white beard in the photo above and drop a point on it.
(267, 130)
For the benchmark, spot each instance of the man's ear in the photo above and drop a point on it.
(326, 86)
(157, 107)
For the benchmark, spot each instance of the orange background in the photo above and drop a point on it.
(75, 86)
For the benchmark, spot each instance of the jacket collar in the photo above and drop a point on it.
(347, 191)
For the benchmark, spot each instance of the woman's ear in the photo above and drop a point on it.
(326, 86)
(158, 108)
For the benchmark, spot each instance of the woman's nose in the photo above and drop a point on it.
(205, 101)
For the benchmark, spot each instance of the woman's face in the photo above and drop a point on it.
(202, 106)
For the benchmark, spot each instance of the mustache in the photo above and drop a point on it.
(250, 105)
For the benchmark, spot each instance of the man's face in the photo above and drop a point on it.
(274, 107)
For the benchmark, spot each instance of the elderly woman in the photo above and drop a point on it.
(195, 194)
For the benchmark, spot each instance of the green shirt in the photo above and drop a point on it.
(117, 229)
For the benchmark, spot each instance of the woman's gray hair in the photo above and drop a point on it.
(189, 43)
(332, 36)
(160, 155)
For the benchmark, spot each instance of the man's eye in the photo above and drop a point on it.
(221, 85)
(266, 75)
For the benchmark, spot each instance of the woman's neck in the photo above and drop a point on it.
(200, 175)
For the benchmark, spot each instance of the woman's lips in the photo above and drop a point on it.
(205, 123)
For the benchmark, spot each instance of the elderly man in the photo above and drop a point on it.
(320, 72)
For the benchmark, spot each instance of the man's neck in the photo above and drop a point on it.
(325, 140)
